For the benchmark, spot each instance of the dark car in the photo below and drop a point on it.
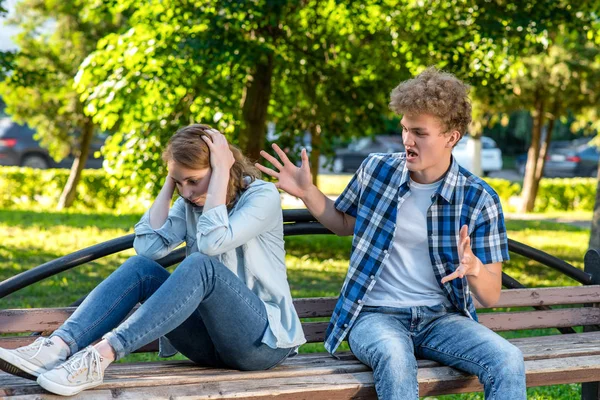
(18, 147)
(567, 159)
(349, 159)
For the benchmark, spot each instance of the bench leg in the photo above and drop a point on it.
(591, 390)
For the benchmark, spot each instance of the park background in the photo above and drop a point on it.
(276, 71)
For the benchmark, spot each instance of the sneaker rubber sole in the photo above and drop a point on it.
(18, 366)
(63, 390)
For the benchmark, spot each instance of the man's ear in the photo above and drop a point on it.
(452, 138)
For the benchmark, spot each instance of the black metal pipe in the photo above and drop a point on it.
(64, 263)
(550, 261)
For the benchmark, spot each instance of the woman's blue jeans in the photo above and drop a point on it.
(207, 313)
(389, 339)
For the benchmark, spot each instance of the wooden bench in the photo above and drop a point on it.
(549, 360)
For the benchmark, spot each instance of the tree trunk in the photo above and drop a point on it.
(69, 192)
(595, 233)
(315, 153)
(527, 194)
(541, 161)
(474, 149)
(254, 110)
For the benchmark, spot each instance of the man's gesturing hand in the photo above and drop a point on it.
(291, 179)
(469, 263)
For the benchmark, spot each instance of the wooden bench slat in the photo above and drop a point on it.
(533, 348)
(558, 318)
(501, 321)
(341, 385)
(323, 307)
(43, 319)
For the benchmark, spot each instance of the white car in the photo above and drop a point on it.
(491, 155)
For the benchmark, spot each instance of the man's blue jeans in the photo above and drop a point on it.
(205, 311)
(389, 339)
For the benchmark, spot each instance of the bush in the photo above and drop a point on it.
(26, 188)
(557, 194)
(505, 189)
(34, 189)
(565, 194)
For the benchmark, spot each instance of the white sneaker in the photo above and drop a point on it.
(80, 372)
(32, 360)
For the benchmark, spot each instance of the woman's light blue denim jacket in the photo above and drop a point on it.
(248, 240)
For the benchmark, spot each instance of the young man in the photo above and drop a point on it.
(427, 235)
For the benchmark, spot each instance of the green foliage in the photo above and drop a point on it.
(22, 188)
(566, 195)
(38, 78)
(325, 67)
(505, 189)
(26, 188)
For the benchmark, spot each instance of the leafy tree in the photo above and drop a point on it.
(325, 67)
(38, 79)
(552, 84)
(307, 65)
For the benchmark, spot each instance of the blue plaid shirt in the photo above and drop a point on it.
(373, 196)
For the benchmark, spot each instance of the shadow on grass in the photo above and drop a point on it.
(52, 219)
(551, 225)
(321, 247)
(311, 283)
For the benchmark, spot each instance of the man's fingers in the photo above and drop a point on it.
(271, 159)
(450, 277)
(304, 156)
(466, 247)
(458, 273)
(267, 171)
(282, 156)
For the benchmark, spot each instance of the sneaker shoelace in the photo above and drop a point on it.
(90, 359)
(37, 346)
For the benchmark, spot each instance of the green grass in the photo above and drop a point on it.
(316, 265)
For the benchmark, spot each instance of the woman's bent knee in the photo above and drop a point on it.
(140, 266)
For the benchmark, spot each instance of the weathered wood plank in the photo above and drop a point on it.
(343, 385)
(505, 321)
(43, 319)
(559, 318)
(185, 372)
(323, 306)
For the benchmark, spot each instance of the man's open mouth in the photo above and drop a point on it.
(411, 154)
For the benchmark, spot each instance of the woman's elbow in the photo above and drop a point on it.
(149, 252)
(208, 248)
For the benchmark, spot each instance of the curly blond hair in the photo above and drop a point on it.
(186, 147)
(437, 93)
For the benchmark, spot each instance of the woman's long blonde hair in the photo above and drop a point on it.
(187, 148)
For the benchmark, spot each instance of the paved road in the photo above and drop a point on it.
(508, 174)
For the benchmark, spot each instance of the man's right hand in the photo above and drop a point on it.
(291, 179)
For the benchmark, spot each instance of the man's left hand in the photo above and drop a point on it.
(469, 265)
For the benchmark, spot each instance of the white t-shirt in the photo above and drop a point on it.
(407, 278)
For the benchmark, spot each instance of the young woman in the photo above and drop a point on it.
(228, 303)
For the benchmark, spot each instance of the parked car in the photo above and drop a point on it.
(491, 155)
(19, 147)
(348, 159)
(578, 157)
